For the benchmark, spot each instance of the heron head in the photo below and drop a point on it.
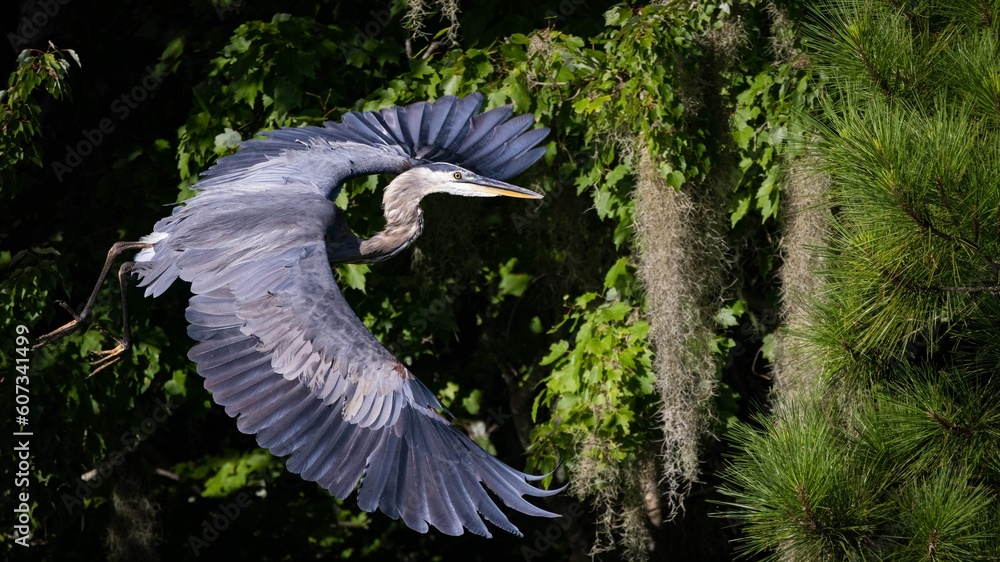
(440, 177)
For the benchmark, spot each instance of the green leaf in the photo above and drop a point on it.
(556, 351)
(471, 402)
(447, 394)
(353, 275)
(233, 473)
(675, 179)
(768, 348)
(728, 316)
(519, 39)
(767, 196)
(513, 284)
(617, 270)
(741, 210)
(743, 136)
(177, 385)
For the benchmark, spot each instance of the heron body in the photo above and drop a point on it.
(279, 347)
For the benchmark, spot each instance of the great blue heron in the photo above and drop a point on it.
(278, 345)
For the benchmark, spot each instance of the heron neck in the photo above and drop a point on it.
(404, 221)
(391, 240)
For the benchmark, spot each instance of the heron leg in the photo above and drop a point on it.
(109, 357)
(84, 316)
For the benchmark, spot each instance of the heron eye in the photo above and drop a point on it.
(458, 175)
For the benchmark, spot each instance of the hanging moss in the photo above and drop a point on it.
(682, 261)
(806, 198)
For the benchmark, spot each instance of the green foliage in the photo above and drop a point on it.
(934, 419)
(904, 432)
(649, 55)
(764, 122)
(795, 485)
(909, 472)
(599, 386)
(222, 476)
(949, 516)
(28, 277)
(20, 111)
(913, 232)
(264, 76)
(917, 181)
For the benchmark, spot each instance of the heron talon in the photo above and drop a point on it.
(109, 357)
(68, 309)
(67, 328)
(60, 332)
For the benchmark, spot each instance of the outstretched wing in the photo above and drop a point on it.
(392, 140)
(283, 352)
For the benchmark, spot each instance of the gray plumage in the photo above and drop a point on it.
(280, 348)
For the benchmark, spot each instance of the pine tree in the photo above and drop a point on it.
(895, 454)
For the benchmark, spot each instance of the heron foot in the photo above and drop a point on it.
(109, 357)
(66, 329)
(105, 358)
